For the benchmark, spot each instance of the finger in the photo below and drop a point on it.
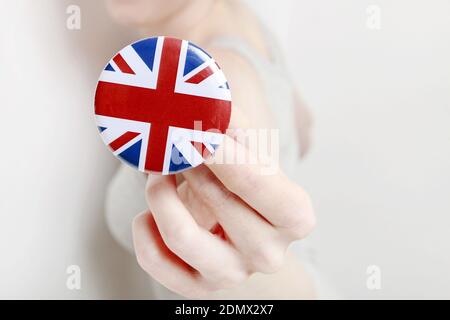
(160, 263)
(280, 201)
(259, 242)
(204, 218)
(212, 257)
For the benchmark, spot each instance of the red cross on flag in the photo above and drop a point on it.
(162, 105)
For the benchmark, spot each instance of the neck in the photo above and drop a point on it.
(195, 22)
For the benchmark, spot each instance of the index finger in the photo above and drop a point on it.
(279, 200)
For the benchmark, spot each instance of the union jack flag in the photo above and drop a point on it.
(162, 105)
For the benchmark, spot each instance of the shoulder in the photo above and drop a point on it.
(246, 86)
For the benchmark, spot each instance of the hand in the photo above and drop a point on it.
(219, 226)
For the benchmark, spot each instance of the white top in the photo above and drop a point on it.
(125, 197)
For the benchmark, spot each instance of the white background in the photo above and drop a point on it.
(379, 171)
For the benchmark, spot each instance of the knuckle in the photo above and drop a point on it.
(230, 279)
(302, 229)
(301, 222)
(178, 237)
(146, 259)
(268, 260)
(215, 195)
(309, 223)
(293, 219)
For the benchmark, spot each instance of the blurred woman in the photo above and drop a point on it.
(189, 234)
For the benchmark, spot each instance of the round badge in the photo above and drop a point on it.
(162, 105)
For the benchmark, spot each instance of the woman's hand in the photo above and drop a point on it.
(219, 226)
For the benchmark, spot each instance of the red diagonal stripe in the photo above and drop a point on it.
(123, 139)
(122, 64)
(202, 75)
(201, 148)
